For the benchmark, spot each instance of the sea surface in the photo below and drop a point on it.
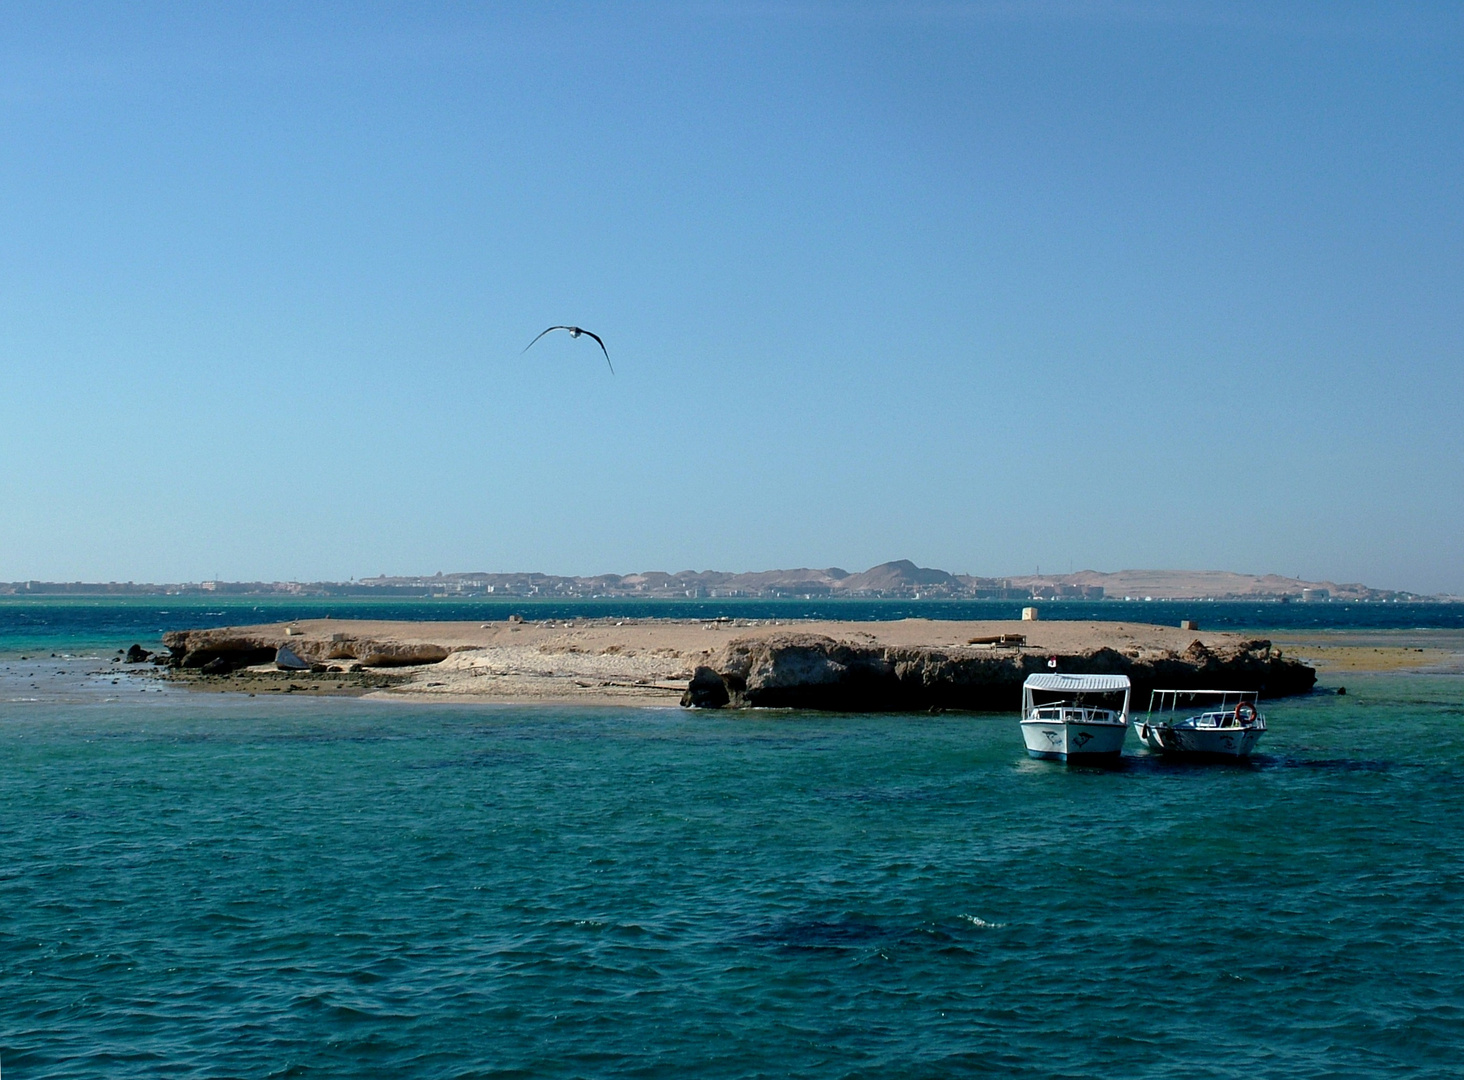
(50, 623)
(202, 885)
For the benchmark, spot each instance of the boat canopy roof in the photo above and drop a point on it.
(1077, 683)
(1217, 700)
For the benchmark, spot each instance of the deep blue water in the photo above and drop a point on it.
(58, 624)
(206, 886)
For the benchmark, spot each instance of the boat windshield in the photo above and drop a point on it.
(1072, 712)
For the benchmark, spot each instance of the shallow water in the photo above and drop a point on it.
(195, 885)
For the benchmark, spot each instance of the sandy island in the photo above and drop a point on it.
(642, 662)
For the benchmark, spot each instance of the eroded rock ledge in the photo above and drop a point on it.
(230, 648)
(812, 671)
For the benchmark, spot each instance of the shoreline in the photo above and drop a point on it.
(1338, 657)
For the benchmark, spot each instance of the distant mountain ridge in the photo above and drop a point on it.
(899, 579)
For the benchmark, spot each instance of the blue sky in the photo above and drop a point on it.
(990, 286)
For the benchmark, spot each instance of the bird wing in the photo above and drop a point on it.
(530, 345)
(602, 347)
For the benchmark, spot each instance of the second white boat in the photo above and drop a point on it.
(1202, 723)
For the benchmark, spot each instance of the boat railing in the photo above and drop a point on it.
(1202, 701)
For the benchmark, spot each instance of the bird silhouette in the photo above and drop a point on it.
(574, 332)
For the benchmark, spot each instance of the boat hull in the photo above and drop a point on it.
(1180, 741)
(1057, 740)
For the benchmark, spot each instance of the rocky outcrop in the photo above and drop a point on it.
(806, 671)
(236, 648)
(396, 653)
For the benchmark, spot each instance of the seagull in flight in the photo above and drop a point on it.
(574, 332)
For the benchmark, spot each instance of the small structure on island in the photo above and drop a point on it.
(1000, 641)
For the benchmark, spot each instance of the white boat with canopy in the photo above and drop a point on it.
(1075, 717)
(1202, 723)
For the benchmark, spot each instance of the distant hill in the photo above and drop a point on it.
(899, 576)
(902, 579)
(1202, 585)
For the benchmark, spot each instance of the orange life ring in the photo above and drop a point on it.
(1245, 714)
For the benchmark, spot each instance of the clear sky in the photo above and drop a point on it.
(990, 286)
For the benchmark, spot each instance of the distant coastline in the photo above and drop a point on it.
(901, 580)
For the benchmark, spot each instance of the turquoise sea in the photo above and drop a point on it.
(199, 885)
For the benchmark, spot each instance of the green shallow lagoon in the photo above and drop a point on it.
(213, 886)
